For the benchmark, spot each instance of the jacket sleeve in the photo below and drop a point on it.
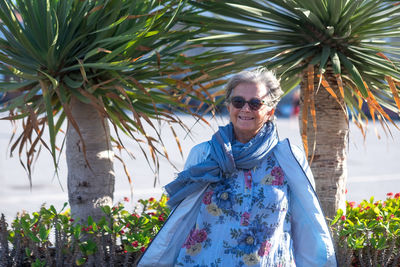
(311, 234)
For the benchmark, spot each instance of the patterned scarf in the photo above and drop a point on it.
(225, 157)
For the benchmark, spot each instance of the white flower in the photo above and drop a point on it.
(251, 259)
(214, 210)
(268, 179)
(194, 250)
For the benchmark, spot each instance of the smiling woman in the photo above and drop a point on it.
(249, 194)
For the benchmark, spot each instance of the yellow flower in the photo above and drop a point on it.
(268, 179)
(194, 250)
(251, 259)
(214, 210)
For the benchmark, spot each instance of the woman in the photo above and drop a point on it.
(245, 198)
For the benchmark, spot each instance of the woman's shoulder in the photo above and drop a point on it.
(198, 154)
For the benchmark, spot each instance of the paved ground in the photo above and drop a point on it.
(372, 167)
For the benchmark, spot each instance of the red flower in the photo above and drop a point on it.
(351, 204)
(142, 249)
(207, 197)
(127, 225)
(71, 220)
(392, 216)
(122, 232)
(152, 199)
(126, 199)
(390, 194)
(379, 218)
(368, 207)
(244, 220)
(125, 251)
(343, 218)
(201, 235)
(161, 218)
(397, 195)
(345, 191)
(135, 215)
(135, 244)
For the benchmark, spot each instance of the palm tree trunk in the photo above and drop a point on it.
(329, 164)
(89, 185)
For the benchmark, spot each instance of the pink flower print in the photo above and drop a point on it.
(200, 235)
(247, 179)
(207, 197)
(244, 220)
(264, 249)
(190, 241)
(277, 172)
(196, 236)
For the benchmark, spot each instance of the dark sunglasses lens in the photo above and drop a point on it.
(255, 104)
(238, 102)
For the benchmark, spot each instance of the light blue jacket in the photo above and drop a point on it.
(312, 242)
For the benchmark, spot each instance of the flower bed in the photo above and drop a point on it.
(368, 234)
(51, 238)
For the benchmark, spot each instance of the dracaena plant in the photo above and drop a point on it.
(339, 51)
(94, 63)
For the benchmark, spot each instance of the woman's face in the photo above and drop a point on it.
(247, 122)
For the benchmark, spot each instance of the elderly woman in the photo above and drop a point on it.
(245, 198)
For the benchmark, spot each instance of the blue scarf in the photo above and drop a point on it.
(225, 157)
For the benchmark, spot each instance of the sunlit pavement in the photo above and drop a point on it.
(373, 167)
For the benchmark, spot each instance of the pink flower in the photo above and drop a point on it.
(245, 219)
(352, 204)
(379, 218)
(277, 172)
(126, 199)
(264, 249)
(207, 197)
(200, 235)
(190, 241)
(247, 179)
(390, 194)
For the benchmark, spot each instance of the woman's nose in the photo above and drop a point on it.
(246, 107)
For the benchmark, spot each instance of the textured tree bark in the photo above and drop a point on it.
(89, 186)
(329, 165)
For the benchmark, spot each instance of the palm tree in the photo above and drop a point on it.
(92, 63)
(337, 50)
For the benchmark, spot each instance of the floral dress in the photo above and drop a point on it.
(243, 221)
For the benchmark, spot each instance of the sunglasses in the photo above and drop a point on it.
(239, 102)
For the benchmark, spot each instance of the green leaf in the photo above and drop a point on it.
(33, 237)
(80, 261)
(324, 57)
(354, 73)
(335, 62)
(43, 233)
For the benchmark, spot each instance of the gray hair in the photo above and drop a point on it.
(259, 75)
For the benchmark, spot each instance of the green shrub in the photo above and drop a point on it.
(51, 238)
(368, 234)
